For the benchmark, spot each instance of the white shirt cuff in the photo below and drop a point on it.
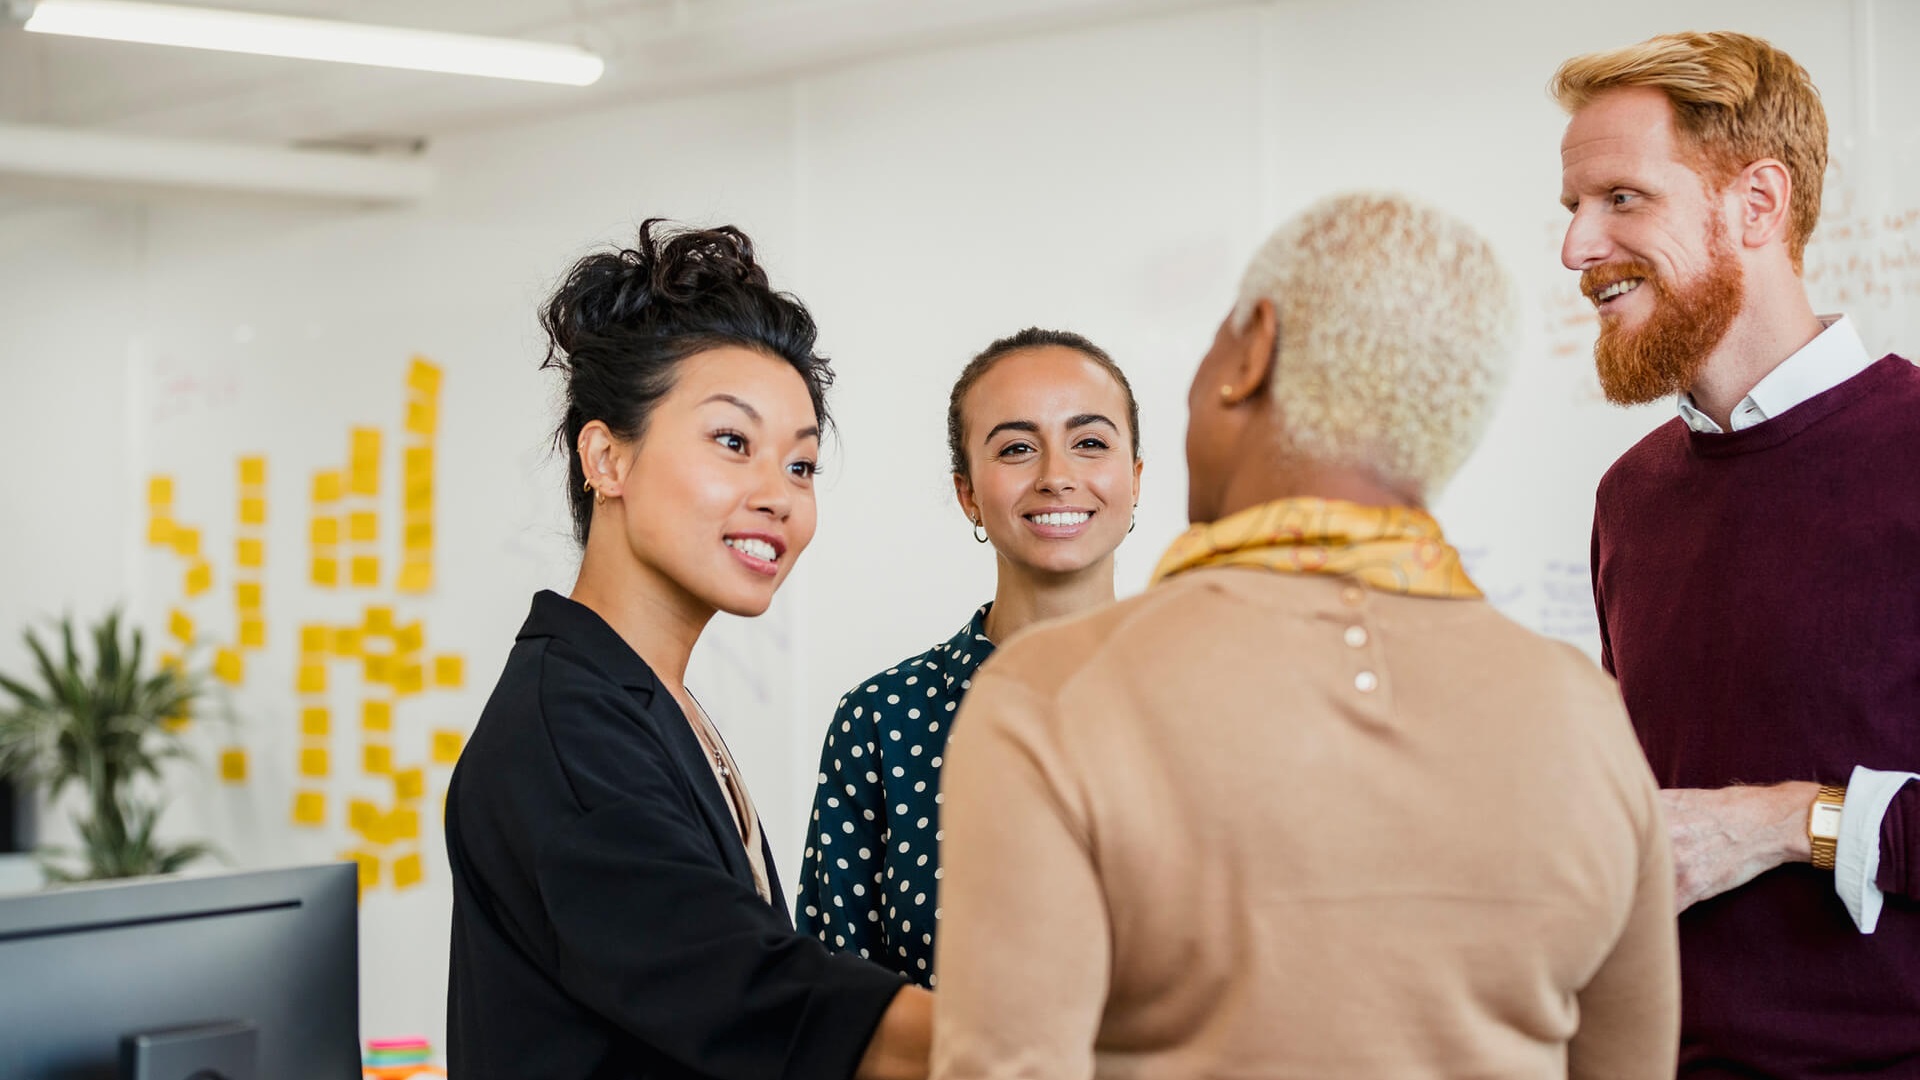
(1856, 861)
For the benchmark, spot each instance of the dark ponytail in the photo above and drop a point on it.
(620, 324)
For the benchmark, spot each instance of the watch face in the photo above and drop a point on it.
(1825, 822)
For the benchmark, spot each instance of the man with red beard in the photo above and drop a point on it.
(1756, 561)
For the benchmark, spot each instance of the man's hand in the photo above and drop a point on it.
(1726, 837)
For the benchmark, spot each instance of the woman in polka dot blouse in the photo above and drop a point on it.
(1044, 437)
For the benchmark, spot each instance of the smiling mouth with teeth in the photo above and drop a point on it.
(759, 549)
(1073, 518)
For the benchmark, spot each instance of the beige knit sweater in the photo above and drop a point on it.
(1252, 824)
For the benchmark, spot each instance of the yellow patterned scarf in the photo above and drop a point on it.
(1391, 548)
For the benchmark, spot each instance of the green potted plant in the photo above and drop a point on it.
(101, 727)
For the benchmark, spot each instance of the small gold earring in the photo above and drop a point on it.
(587, 486)
(1226, 392)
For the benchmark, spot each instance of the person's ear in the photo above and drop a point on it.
(1764, 191)
(963, 493)
(1253, 353)
(605, 467)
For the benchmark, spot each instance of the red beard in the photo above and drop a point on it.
(1662, 356)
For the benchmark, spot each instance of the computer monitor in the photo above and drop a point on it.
(82, 969)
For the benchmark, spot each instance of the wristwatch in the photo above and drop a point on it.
(1823, 825)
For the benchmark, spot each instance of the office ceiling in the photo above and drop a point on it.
(652, 48)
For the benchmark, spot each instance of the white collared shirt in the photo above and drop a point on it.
(1835, 355)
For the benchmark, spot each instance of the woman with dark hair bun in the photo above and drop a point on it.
(616, 914)
(1044, 438)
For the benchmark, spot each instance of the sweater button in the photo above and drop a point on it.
(1366, 682)
(1356, 636)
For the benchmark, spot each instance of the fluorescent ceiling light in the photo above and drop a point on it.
(315, 39)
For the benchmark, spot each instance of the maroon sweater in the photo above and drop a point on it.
(1759, 598)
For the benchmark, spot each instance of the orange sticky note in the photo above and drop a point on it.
(422, 417)
(377, 759)
(366, 571)
(160, 491)
(364, 478)
(313, 639)
(446, 746)
(253, 633)
(315, 722)
(253, 511)
(409, 678)
(233, 765)
(376, 715)
(347, 642)
(328, 486)
(404, 823)
(326, 572)
(253, 471)
(362, 816)
(199, 578)
(312, 679)
(160, 531)
(424, 376)
(180, 625)
(250, 552)
(324, 532)
(313, 761)
(186, 543)
(409, 638)
(410, 784)
(378, 669)
(406, 871)
(363, 526)
(309, 808)
(247, 595)
(419, 463)
(379, 620)
(449, 671)
(228, 667)
(415, 577)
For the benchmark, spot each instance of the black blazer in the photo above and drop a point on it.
(605, 923)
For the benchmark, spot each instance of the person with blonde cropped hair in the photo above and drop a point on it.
(1309, 806)
(1753, 558)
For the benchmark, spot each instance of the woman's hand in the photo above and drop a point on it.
(903, 1043)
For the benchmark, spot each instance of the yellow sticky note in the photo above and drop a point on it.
(410, 784)
(253, 633)
(409, 638)
(419, 463)
(365, 445)
(180, 625)
(422, 417)
(419, 535)
(160, 531)
(313, 762)
(423, 375)
(326, 572)
(362, 815)
(247, 595)
(324, 532)
(404, 823)
(309, 808)
(312, 679)
(347, 642)
(253, 471)
(172, 662)
(418, 499)
(253, 511)
(378, 669)
(315, 722)
(364, 480)
(366, 571)
(446, 746)
(250, 552)
(160, 491)
(313, 639)
(328, 486)
(199, 577)
(415, 576)
(177, 724)
(369, 864)
(379, 620)
(186, 543)
(377, 759)
(409, 678)
(376, 715)
(406, 871)
(449, 671)
(363, 526)
(233, 765)
(228, 667)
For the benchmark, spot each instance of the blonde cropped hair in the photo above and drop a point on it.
(1397, 326)
(1736, 100)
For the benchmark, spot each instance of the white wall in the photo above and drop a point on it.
(1109, 181)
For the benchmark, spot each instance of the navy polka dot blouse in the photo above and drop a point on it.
(871, 880)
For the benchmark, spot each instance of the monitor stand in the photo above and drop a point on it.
(228, 1050)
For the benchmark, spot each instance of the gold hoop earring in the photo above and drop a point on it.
(979, 532)
(587, 486)
(1134, 520)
